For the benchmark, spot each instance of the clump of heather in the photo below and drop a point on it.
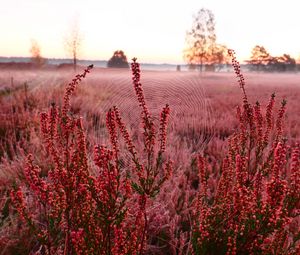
(17, 120)
(70, 211)
(255, 209)
(122, 199)
(62, 205)
(149, 169)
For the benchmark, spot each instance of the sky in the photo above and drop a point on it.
(153, 31)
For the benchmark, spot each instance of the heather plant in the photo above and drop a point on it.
(122, 199)
(150, 169)
(17, 132)
(52, 223)
(255, 209)
(17, 120)
(70, 211)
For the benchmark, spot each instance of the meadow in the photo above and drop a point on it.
(192, 164)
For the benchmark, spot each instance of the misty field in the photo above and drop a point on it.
(200, 178)
(203, 106)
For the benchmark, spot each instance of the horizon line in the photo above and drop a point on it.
(100, 60)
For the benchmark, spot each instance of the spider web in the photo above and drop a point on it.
(190, 119)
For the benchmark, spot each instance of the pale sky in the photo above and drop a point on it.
(153, 31)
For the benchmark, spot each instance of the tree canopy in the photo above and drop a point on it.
(261, 60)
(259, 56)
(36, 57)
(118, 60)
(201, 40)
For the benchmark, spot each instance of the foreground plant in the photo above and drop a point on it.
(70, 211)
(255, 209)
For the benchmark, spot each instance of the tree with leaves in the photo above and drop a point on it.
(202, 47)
(219, 56)
(260, 58)
(283, 63)
(118, 60)
(36, 58)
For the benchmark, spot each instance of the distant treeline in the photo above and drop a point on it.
(261, 60)
(29, 65)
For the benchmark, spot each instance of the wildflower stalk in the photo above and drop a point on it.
(151, 173)
(252, 209)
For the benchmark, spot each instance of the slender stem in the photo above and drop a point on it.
(66, 244)
(49, 236)
(145, 227)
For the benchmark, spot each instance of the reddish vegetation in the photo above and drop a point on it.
(165, 186)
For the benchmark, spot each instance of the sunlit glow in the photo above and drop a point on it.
(154, 31)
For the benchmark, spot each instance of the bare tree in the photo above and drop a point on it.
(73, 43)
(35, 51)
